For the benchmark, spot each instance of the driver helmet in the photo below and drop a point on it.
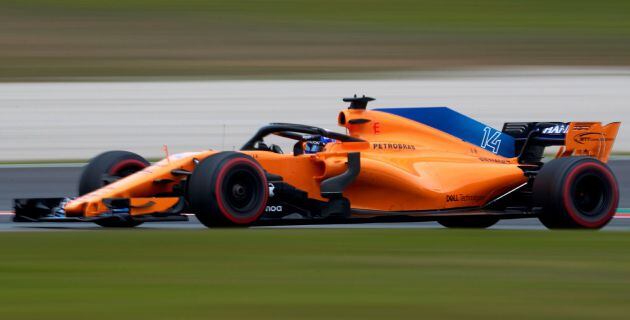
(315, 146)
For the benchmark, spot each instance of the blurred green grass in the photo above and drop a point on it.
(99, 38)
(314, 274)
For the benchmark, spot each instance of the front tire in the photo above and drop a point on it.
(106, 168)
(228, 189)
(576, 193)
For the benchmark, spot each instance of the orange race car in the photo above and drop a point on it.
(393, 164)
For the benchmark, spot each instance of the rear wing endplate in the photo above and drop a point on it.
(589, 139)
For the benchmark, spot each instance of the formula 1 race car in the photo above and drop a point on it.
(394, 164)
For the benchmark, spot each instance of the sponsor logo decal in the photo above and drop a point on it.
(491, 139)
(557, 129)
(463, 197)
(274, 209)
(590, 137)
(393, 146)
(376, 127)
(495, 160)
(271, 190)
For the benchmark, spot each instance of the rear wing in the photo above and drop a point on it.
(591, 139)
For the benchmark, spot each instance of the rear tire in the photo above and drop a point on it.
(106, 168)
(575, 193)
(468, 222)
(228, 189)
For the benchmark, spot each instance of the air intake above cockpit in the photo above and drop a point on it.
(358, 102)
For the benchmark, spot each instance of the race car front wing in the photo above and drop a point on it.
(51, 210)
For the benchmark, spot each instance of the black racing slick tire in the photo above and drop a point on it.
(228, 189)
(575, 193)
(468, 222)
(108, 167)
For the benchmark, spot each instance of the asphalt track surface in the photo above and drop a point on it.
(61, 180)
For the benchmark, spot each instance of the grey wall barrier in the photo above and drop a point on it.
(47, 121)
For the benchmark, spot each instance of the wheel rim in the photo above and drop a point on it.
(242, 190)
(589, 195)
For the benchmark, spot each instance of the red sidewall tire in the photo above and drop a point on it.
(575, 192)
(127, 165)
(112, 163)
(569, 204)
(211, 190)
(109, 163)
(220, 196)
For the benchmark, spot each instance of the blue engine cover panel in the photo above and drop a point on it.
(461, 126)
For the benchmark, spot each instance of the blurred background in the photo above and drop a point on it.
(57, 39)
(78, 76)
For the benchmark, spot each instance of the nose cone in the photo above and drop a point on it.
(75, 207)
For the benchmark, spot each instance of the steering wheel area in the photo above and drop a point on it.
(262, 146)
